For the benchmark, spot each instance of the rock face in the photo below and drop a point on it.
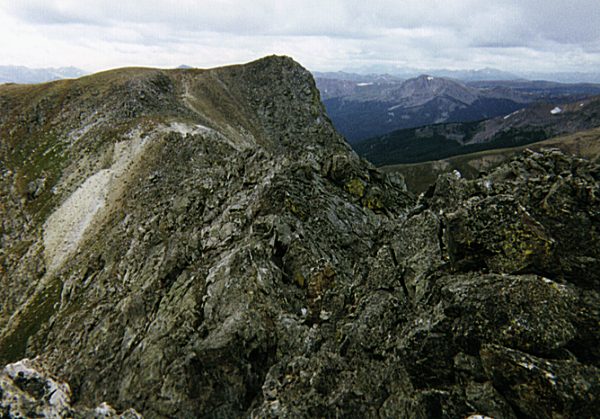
(202, 243)
(28, 390)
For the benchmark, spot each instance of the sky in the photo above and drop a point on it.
(323, 35)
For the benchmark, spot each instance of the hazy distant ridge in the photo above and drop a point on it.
(21, 74)
(464, 75)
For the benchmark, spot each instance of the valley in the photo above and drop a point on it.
(420, 176)
(535, 123)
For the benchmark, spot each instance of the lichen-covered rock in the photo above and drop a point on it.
(499, 234)
(543, 388)
(223, 253)
(28, 390)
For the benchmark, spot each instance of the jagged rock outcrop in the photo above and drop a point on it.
(202, 243)
(27, 390)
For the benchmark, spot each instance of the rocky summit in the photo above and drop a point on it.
(202, 243)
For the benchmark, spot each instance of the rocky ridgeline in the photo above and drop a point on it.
(207, 245)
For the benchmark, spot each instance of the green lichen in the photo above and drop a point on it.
(299, 279)
(294, 208)
(373, 203)
(356, 187)
(522, 247)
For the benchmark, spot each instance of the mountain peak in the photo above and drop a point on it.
(274, 60)
(175, 211)
(426, 77)
(424, 88)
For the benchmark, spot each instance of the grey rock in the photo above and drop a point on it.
(225, 254)
(27, 389)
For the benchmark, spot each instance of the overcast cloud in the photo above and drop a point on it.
(513, 35)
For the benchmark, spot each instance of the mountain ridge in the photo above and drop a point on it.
(376, 106)
(420, 176)
(204, 243)
(472, 75)
(217, 158)
(368, 109)
(521, 127)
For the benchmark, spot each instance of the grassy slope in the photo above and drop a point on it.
(419, 176)
(37, 122)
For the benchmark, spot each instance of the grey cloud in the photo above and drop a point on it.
(421, 32)
(40, 13)
(573, 21)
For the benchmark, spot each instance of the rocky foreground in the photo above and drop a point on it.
(202, 243)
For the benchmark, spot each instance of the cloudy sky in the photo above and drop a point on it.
(513, 35)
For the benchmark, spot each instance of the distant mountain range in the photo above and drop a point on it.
(403, 74)
(524, 126)
(26, 75)
(545, 90)
(377, 104)
(22, 74)
(475, 74)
